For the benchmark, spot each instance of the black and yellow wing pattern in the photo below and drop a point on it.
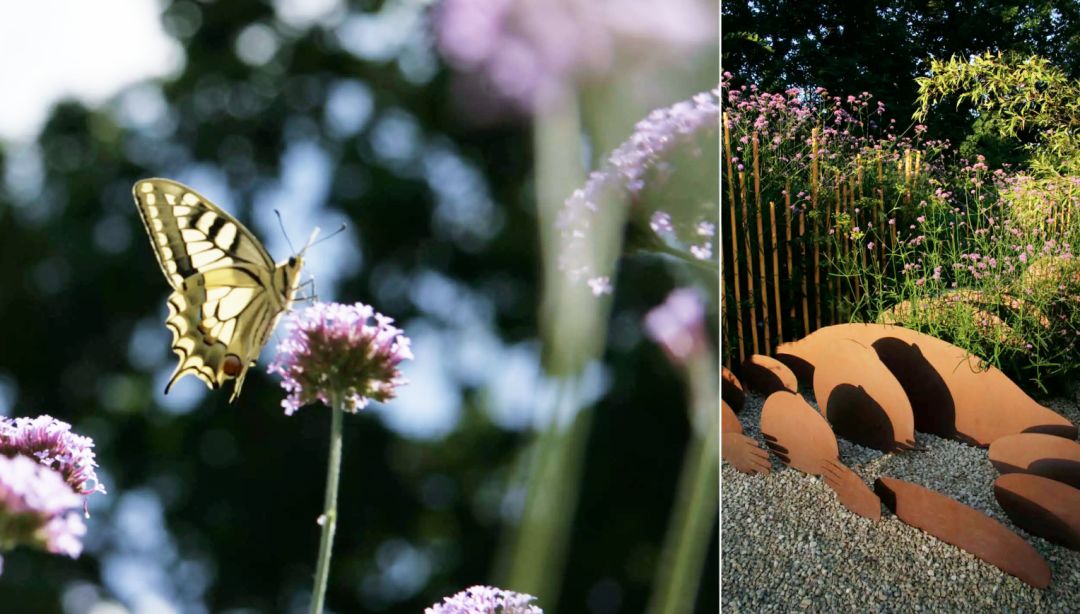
(228, 294)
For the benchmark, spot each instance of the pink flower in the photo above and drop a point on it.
(337, 350)
(485, 600)
(678, 325)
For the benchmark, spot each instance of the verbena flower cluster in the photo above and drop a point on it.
(45, 472)
(678, 325)
(485, 600)
(344, 351)
(642, 159)
(52, 443)
(531, 53)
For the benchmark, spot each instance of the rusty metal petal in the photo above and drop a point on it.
(731, 390)
(1049, 456)
(1041, 506)
(860, 397)
(799, 436)
(743, 453)
(952, 393)
(768, 375)
(964, 527)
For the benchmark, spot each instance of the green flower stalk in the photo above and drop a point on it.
(336, 355)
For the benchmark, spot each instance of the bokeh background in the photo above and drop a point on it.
(331, 112)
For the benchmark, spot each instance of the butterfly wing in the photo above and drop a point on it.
(228, 294)
(220, 321)
(190, 234)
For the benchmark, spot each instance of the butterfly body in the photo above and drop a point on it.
(228, 294)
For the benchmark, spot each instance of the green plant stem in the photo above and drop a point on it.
(696, 500)
(329, 515)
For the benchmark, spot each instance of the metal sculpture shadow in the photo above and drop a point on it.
(768, 375)
(802, 439)
(1048, 456)
(861, 398)
(952, 393)
(1041, 506)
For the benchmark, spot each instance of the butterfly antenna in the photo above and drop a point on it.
(282, 224)
(333, 234)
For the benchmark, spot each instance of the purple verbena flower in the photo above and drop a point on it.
(38, 508)
(485, 600)
(678, 325)
(340, 350)
(623, 176)
(660, 222)
(52, 443)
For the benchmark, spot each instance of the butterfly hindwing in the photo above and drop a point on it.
(228, 294)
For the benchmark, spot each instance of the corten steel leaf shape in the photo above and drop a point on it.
(964, 527)
(860, 397)
(852, 491)
(731, 390)
(1041, 506)
(1049, 456)
(744, 453)
(801, 438)
(768, 375)
(952, 393)
(729, 422)
(741, 451)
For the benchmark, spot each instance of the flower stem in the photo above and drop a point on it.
(329, 515)
(696, 499)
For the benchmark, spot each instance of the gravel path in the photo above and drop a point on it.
(788, 545)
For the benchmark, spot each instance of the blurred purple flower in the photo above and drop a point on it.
(660, 222)
(531, 53)
(38, 508)
(678, 325)
(51, 442)
(485, 600)
(600, 286)
(333, 349)
(623, 176)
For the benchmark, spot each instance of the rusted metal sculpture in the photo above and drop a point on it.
(768, 375)
(1041, 506)
(860, 397)
(731, 390)
(853, 493)
(736, 448)
(801, 438)
(952, 393)
(1048, 456)
(964, 527)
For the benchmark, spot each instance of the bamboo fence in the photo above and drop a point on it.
(777, 286)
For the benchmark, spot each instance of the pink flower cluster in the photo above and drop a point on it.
(485, 600)
(623, 177)
(45, 471)
(344, 351)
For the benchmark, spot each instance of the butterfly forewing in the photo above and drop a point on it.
(190, 234)
(227, 295)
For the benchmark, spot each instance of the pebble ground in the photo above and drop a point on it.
(787, 545)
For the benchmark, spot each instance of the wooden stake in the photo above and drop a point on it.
(764, 291)
(804, 254)
(735, 272)
(751, 295)
(776, 276)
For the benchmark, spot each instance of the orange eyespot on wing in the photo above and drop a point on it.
(232, 365)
